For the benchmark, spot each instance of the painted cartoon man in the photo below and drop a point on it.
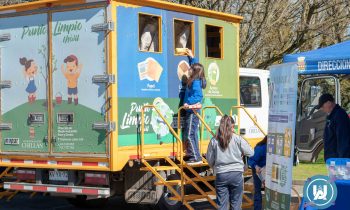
(71, 72)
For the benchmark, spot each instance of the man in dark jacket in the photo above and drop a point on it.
(337, 130)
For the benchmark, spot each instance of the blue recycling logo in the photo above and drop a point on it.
(320, 192)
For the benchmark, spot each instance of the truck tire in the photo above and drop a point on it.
(316, 153)
(81, 202)
(314, 159)
(164, 202)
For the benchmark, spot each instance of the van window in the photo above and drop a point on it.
(149, 33)
(250, 88)
(214, 41)
(183, 35)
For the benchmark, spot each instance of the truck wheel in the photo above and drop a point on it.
(82, 202)
(164, 202)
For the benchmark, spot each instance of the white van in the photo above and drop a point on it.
(254, 97)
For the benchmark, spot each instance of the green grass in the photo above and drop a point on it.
(306, 170)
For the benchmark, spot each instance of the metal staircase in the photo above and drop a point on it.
(6, 174)
(188, 175)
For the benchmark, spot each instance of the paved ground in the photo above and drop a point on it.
(23, 202)
(40, 202)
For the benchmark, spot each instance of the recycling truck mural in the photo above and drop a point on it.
(75, 76)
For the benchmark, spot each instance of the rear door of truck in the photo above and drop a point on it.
(78, 101)
(53, 83)
(24, 87)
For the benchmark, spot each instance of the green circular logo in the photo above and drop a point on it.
(320, 192)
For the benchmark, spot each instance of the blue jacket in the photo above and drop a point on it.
(259, 157)
(194, 94)
(183, 85)
(337, 134)
(192, 60)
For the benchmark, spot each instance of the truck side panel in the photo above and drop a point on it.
(134, 91)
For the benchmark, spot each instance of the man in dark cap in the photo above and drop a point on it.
(337, 130)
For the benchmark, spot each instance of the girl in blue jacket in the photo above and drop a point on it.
(257, 162)
(193, 98)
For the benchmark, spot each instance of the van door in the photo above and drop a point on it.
(254, 97)
(79, 81)
(310, 121)
(24, 84)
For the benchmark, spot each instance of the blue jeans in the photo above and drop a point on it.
(229, 190)
(257, 191)
(191, 133)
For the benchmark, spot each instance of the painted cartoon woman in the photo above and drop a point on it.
(30, 71)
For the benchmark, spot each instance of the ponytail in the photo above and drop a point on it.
(26, 63)
(224, 132)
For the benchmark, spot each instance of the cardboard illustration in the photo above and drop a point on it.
(183, 70)
(150, 70)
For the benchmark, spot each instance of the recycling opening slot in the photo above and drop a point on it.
(36, 118)
(65, 118)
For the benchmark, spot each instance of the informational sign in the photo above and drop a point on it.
(282, 118)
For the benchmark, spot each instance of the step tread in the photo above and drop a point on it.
(195, 166)
(178, 181)
(190, 197)
(171, 182)
(207, 178)
(155, 157)
(160, 168)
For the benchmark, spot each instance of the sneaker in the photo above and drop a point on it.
(194, 162)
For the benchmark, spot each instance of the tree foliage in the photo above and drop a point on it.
(272, 28)
(8, 2)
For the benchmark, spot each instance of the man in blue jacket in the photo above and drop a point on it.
(337, 131)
